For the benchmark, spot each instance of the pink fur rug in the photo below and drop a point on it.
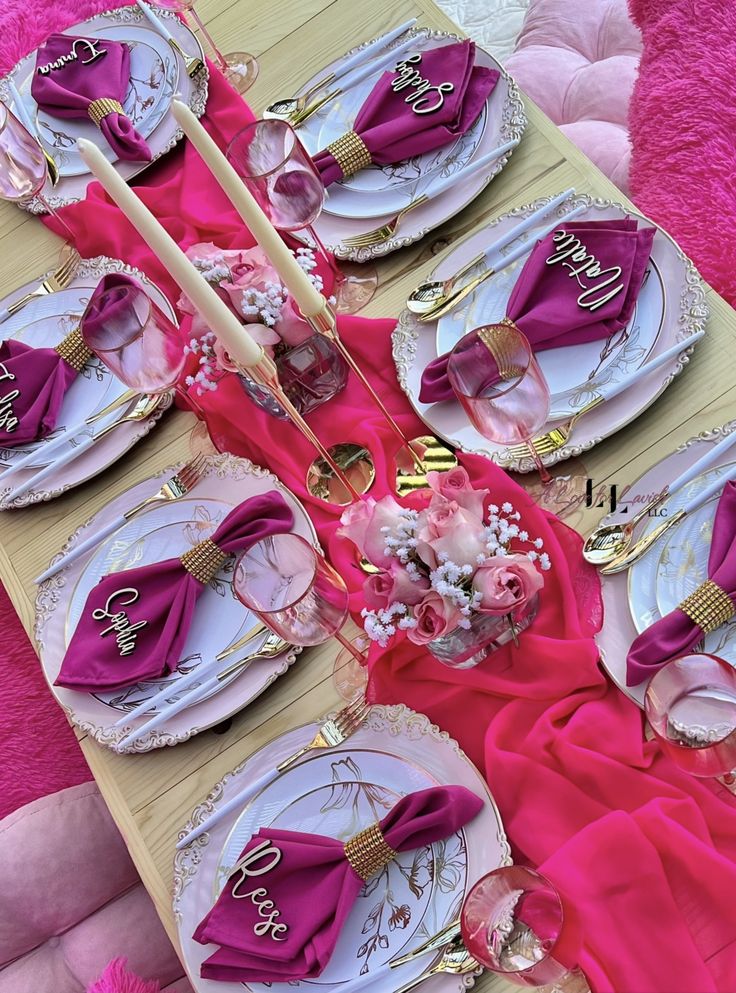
(117, 979)
(683, 126)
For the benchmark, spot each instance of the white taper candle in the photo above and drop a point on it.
(214, 311)
(309, 300)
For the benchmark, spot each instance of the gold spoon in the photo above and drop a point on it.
(285, 109)
(432, 292)
(608, 541)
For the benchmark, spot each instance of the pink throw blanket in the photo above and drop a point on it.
(683, 125)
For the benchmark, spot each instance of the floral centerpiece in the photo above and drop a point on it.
(462, 576)
(248, 283)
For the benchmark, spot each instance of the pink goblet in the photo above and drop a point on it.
(239, 68)
(512, 923)
(134, 338)
(294, 590)
(691, 706)
(497, 379)
(23, 165)
(280, 174)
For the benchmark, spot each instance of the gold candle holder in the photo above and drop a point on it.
(412, 474)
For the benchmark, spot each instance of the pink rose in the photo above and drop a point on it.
(435, 616)
(506, 582)
(250, 271)
(291, 326)
(383, 588)
(451, 531)
(362, 523)
(455, 485)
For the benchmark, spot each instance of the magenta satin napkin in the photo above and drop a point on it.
(391, 129)
(33, 382)
(313, 886)
(676, 634)
(161, 599)
(544, 301)
(67, 90)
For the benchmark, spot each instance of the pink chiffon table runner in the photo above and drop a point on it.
(313, 882)
(570, 290)
(393, 125)
(645, 854)
(88, 78)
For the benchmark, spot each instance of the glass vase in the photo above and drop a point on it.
(464, 648)
(311, 374)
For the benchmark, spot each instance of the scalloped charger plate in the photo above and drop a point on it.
(43, 323)
(159, 76)
(504, 121)
(164, 531)
(338, 792)
(682, 314)
(633, 600)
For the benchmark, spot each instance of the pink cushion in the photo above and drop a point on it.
(71, 900)
(578, 61)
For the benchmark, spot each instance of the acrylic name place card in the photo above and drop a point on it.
(572, 254)
(426, 97)
(248, 867)
(92, 52)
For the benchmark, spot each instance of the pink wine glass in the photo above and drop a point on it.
(239, 68)
(294, 590)
(512, 923)
(497, 379)
(691, 706)
(135, 339)
(280, 174)
(23, 166)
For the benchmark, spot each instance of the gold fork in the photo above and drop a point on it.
(387, 230)
(556, 437)
(194, 66)
(456, 960)
(144, 408)
(58, 280)
(331, 733)
(173, 489)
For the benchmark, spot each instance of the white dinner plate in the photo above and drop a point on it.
(157, 75)
(633, 600)
(356, 207)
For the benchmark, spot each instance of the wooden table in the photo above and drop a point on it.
(152, 795)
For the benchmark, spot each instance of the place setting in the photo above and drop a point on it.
(630, 302)
(666, 551)
(404, 131)
(111, 80)
(67, 416)
(144, 662)
(392, 766)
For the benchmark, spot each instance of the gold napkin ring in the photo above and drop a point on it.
(709, 606)
(500, 340)
(368, 852)
(204, 561)
(351, 153)
(102, 107)
(73, 350)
